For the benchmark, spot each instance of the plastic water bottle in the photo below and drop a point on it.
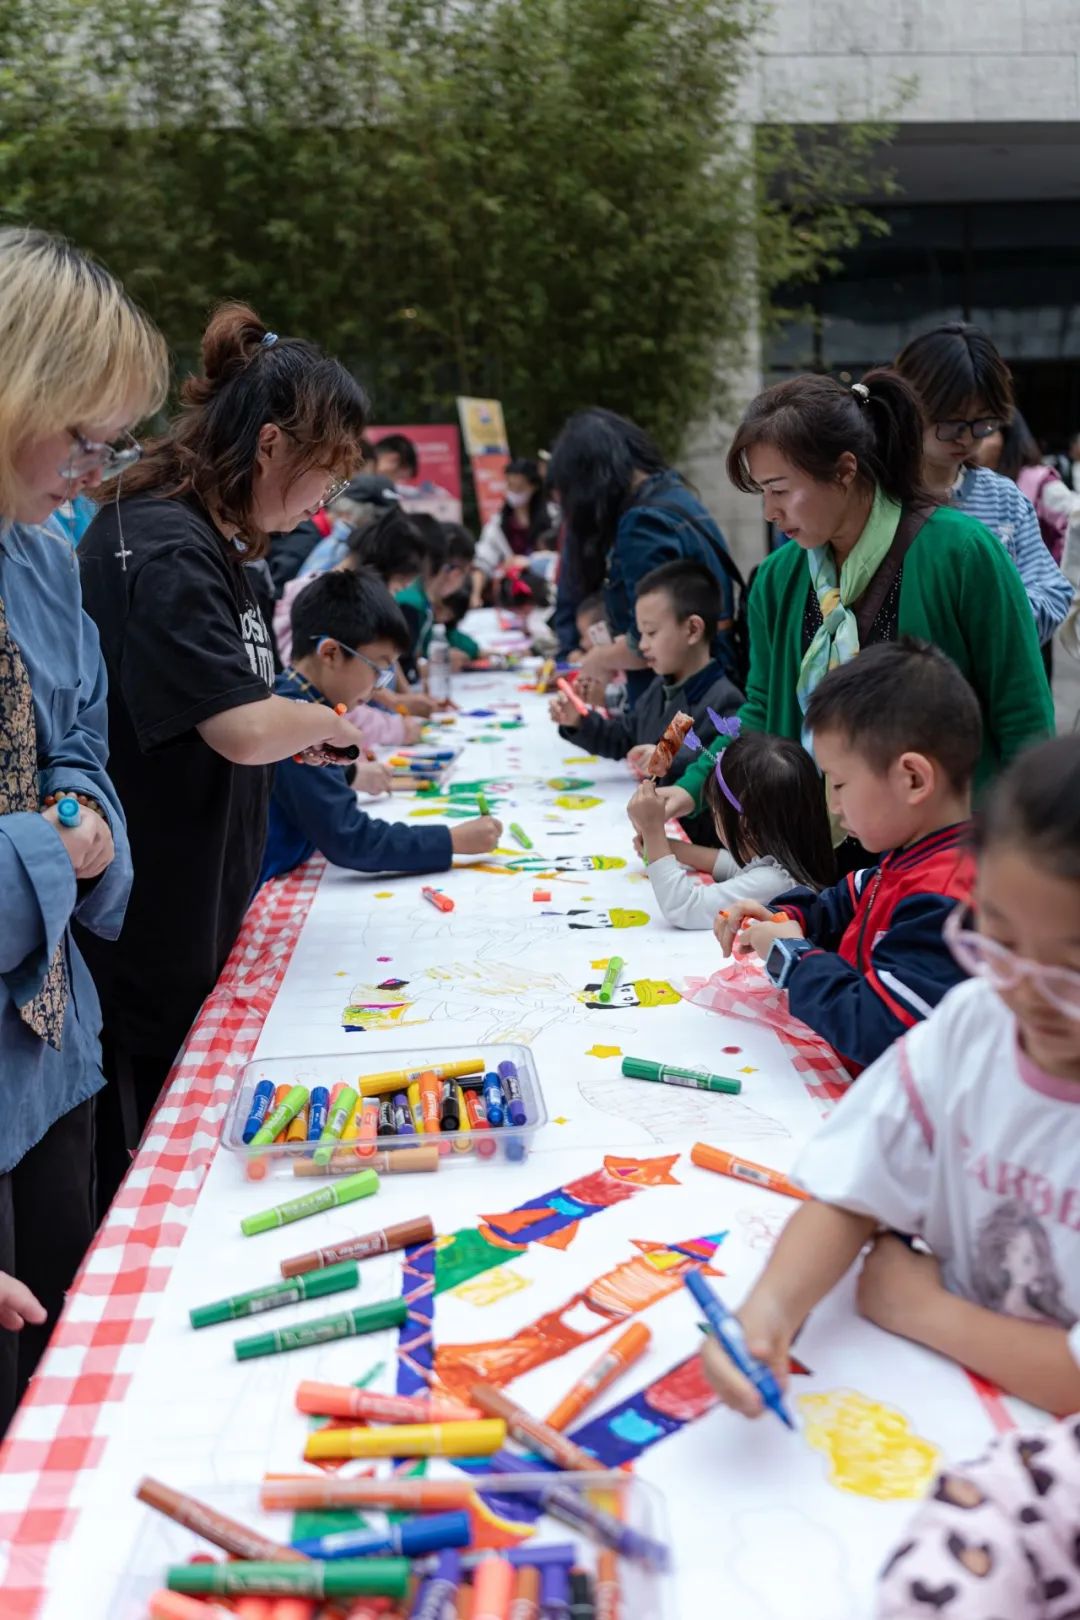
(438, 671)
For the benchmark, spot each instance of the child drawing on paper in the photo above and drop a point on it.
(1014, 1266)
(638, 993)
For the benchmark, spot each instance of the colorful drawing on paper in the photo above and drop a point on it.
(669, 1116)
(567, 863)
(614, 917)
(632, 1286)
(553, 1219)
(870, 1447)
(371, 1007)
(568, 784)
(662, 1407)
(638, 993)
(577, 801)
(492, 1286)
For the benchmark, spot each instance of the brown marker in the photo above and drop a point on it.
(401, 1161)
(531, 1431)
(402, 1236)
(213, 1526)
(304, 1493)
(525, 1604)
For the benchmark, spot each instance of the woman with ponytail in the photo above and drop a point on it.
(871, 557)
(267, 434)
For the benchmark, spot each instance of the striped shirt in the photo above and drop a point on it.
(1000, 506)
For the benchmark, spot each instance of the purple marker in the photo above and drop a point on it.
(318, 1107)
(437, 1593)
(261, 1099)
(511, 1085)
(555, 1590)
(556, 1552)
(403, 1122)
(575, 1509)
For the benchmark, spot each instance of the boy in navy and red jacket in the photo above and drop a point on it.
(897, 733)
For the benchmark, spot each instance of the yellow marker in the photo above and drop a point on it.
(547, 670)
(352, 1124)
(479, 1437)
(416, 1109)
(297, 1131)
(461, 1145)
(377, 1085)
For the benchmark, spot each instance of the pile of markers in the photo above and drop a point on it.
(448, 1107)
(412, 769)
(426, 1561)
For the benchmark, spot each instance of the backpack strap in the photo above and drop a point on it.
(872, 601)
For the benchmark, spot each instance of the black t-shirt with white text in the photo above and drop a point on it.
(183, 640)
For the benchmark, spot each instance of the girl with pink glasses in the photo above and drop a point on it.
(965, 1134)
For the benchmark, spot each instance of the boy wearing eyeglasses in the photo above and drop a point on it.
(347, 632)
(897, 734)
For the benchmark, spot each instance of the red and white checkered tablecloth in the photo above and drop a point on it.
(62, 1427)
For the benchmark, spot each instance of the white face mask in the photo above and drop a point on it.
(518, 498)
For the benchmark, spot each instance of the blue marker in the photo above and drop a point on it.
(318, 1107)
(262, 1097)
(409, 1538)
(493, 1099)
(515, 1102)
(729, 1332)
(68, 812)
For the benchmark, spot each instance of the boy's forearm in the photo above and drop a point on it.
(1031, 1360)
(817, 1246)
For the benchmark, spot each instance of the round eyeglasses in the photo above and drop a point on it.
(110, 460)
(985, 959)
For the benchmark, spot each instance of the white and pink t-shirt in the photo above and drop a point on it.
(954, 1136)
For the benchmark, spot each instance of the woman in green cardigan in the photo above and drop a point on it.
(870, 558)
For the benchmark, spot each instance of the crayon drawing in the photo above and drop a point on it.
(870, 1447)
(667, 1113)
(635, 993)
(492, 1287)
(632, 1286)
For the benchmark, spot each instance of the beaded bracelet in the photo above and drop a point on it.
(83, 798)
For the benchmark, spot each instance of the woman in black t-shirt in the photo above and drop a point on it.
(264, 437)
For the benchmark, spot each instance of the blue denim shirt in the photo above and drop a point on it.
(39, 583)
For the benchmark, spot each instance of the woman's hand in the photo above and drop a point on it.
(373, 779)
(458, 659)
(562, 711)
(677, 802)
(89, 846)
(336, 733)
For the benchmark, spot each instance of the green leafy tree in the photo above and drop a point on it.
(542, 200)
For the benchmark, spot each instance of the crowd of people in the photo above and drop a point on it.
(189, 693)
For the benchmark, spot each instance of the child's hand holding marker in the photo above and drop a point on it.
(647, 811)
(563, 712)
(748, 929)
(477, 837)
(767, 1336)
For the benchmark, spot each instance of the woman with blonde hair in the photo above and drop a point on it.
(267, 434)
(79, 366)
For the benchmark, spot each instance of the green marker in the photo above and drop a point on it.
(388, 1313)
(282, 1117)
(313, 1284)
(336, 1121)
(697, 1079)
(523, 839)
(611, 979)
(342, 1192)
(343, 1578)
(485, 808)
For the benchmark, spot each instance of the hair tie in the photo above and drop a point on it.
(863, 393)
(269, 340)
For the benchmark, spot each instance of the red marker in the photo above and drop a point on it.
(436, 898)
(571, 696)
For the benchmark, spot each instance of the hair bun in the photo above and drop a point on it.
(235, 334)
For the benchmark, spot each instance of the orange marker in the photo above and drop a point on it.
(759, 1175)
(340, 708)
(369, 1128)
(607, 1599)
(526, 1601)
(175, 1606)
(297, 1131)
(626, 1349)
(493, 1587)
(343, 1401)
(280, 1094)
(430, 1107)
(478, 1121)
(571, 696)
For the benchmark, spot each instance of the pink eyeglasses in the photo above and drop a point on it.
(985, 959)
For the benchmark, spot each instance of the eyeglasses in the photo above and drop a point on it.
(336, 487)
(384, 673)
(110, 460)
(980, 428)
(985, 959)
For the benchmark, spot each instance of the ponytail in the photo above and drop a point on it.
(812, 421)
